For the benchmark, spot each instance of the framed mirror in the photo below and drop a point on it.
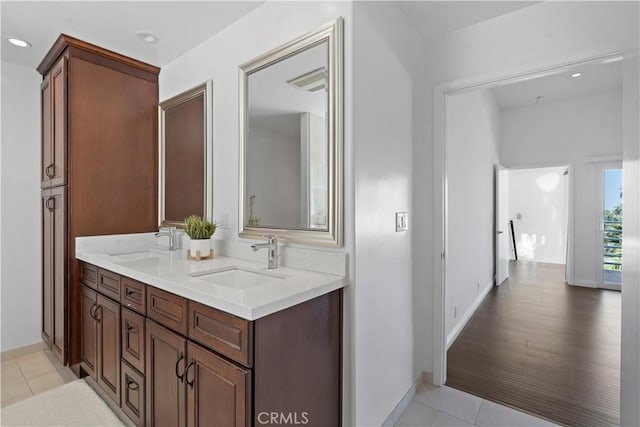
(185, 155)
(291, 168)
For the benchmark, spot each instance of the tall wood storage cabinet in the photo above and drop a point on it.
(99, 168)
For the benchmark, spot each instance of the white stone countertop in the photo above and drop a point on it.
(246, 295)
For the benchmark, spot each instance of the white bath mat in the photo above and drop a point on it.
(73, 404)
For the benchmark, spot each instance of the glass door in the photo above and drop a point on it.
(612, 227)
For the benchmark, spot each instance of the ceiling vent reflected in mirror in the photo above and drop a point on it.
(312, 81)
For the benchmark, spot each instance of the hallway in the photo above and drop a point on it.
(544, 347)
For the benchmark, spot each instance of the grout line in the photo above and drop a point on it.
(475, 421)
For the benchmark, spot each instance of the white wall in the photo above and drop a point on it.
(538, 207)
(21, 227)
(387, 94)
(630, 371)
(569, 132)
(473, 139)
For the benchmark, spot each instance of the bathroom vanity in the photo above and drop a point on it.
(222, 342)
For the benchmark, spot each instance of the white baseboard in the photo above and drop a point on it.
(467, 315)
(397, 412)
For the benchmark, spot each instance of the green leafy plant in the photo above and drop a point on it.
(199, 228)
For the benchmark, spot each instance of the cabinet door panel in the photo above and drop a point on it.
(133, 339)
(47, 268)
(217, 391)
(132, 394)
(59, 244)
(88, 344)
(57, 167)
(47, 130)
(165, 364)
(108, 315)
(168, 309)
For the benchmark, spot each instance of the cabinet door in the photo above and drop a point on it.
(217, 390)
(165, 366)
(54, 125)
(132, 394)
(88, 337)
(133, 339)
(108, 316)
(47, 267)
(58, 208)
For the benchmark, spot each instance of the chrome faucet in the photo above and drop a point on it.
(170, 232)
(272, 246)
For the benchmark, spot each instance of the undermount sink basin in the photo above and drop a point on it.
(238, 277)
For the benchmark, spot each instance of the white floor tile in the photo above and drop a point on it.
(450, 401)
(446, 420)
(417, 415)
(495, 415)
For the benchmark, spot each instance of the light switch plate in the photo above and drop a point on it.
(402, 221)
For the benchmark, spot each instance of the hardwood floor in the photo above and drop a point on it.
(544, 347)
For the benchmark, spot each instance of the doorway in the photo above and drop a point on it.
(612, 233)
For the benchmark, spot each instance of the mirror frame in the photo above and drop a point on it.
(332, 33)
(207, 89)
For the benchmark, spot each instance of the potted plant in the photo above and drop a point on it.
(199, 229)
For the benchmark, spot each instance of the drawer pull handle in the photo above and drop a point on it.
(132, 329)
(50, 171)
(190, 383)
(50, 203)
(129, 292)
(92, 310)
(132, 385)
(180, 376)
(98, 307)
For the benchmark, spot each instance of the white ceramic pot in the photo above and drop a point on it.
(200, 248)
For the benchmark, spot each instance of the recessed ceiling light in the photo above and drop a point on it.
(147, 37)
(19, 42)
(576, 74)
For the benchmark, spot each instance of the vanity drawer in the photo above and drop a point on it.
(229, 335)
(133, 339)
(134, 295)
(132, 392)
(167, 309)
(109, 284)
(89, 275)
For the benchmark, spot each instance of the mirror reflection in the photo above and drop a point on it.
(185, 150)
(286, 146)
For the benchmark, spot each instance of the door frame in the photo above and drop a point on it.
(440, 195)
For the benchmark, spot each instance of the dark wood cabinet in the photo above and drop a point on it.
(54, 269)
(132, 394)
(88, 341)
(99, 159)
(218, 392)
(133, 339)
(54, 126)
(107, 315)
(166, 365)
(223, 370)
(100, 341)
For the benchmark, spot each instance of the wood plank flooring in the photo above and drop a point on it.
(543, 347)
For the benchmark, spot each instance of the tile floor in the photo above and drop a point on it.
(28, 371)
(31, 370)
(448, 407)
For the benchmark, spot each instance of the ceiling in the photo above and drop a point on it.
(180, 25)
(596, 78)
(434, 17)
